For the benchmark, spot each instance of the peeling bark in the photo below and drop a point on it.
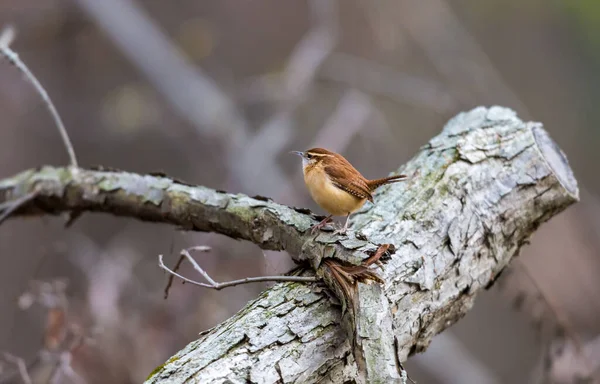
(476, 194)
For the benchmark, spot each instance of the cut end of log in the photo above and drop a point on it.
(556, 160)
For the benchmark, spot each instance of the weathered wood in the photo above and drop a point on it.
(477, 192)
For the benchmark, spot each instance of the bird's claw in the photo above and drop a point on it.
(341, 231)
(320, 225)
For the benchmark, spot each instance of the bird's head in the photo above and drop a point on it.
(313, 156)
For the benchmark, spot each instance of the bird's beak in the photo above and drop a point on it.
(301, 154)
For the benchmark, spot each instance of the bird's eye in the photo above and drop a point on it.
(309, 156)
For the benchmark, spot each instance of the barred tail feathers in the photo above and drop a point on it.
(374, 184)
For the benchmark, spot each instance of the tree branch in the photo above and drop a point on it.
(477, 192)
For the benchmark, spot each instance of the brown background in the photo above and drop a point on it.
(372, 79)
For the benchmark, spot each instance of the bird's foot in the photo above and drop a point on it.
(342, 231)
(319, 226)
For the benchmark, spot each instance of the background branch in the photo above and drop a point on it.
(6, 37)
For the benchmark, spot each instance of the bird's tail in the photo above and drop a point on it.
(374, 184)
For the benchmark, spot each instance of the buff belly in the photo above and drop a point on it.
(329, 197)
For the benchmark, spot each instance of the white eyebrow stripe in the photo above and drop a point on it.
(319, 154)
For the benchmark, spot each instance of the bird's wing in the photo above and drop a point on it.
(349, 180)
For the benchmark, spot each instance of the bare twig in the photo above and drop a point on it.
(172, 276)
(199, 248)
(218, 286)
(6, 37)
(7, 208)
(21, 366)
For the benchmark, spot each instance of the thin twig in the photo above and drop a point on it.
(172, 276)
(218, 286)
(21, 367)
(7, 208)
(200, 248)
(6, 37)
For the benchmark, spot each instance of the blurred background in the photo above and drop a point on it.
(216, 93)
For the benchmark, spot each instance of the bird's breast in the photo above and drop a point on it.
(329, 197)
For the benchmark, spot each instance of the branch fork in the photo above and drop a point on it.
(212, 284)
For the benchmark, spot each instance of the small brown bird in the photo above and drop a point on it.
(336, 185)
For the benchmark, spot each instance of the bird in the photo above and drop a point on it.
(336, 186)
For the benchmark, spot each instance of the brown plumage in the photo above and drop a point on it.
(336, 185)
